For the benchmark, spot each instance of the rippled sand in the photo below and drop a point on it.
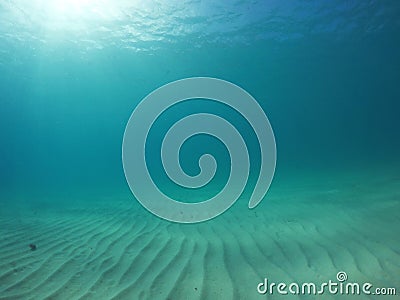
(114, 249)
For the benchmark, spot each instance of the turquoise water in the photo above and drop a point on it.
(326, 75)
(71, 74)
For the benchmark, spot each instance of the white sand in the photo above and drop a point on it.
(116, 250)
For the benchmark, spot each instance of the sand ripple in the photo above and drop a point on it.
(120, 251)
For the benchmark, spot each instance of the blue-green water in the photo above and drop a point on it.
(327, 75)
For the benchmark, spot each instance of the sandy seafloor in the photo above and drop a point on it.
(307, 230)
